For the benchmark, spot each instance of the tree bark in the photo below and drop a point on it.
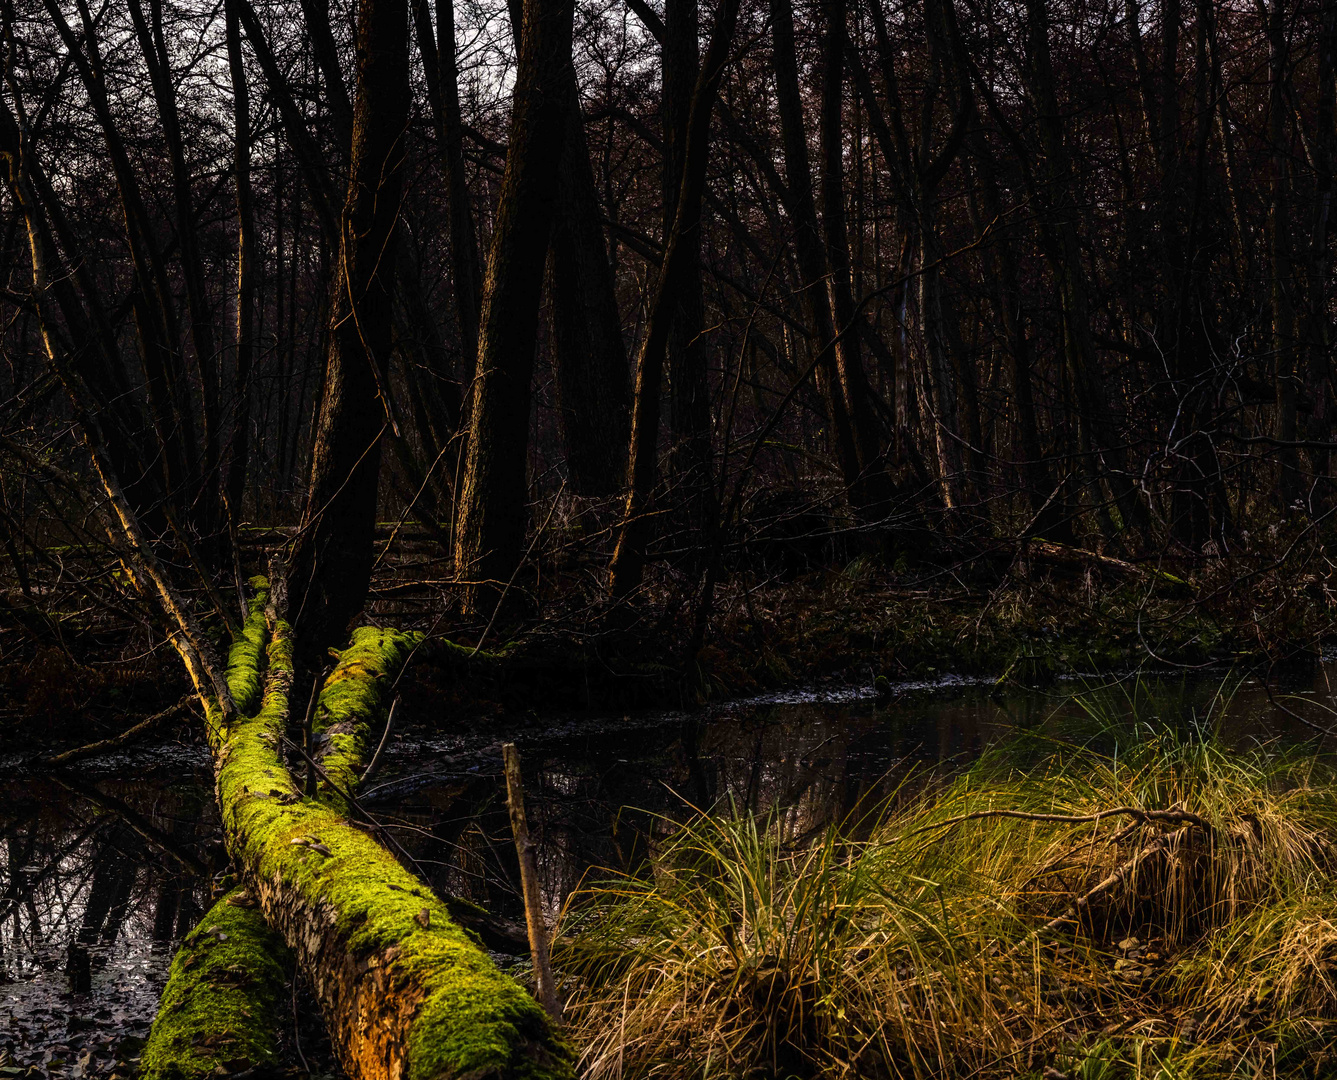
(154, 48)
(332, 557)
(589, 356)
(493, 502)
(628, 563)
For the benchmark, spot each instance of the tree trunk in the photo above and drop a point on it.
(628, 563)
(808, 241)
(589, 356)
(874, 487)
(689, 460)
(438, 61)
(155, 323)
(1049, 512)
(154, 48)
(493, 502)
(1281, 275)
(332, 558)
(240, 436)
(1101, 456)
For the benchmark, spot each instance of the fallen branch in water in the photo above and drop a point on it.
(126, 737)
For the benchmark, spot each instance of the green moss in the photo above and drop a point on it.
(219, 1010)
(471, 1019)
(353, 704)
(245, 657)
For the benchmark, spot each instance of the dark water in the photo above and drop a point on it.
(95, 890)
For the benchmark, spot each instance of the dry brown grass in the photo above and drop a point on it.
(995, 925)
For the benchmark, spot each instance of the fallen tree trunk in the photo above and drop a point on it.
(219, 1011)
(353, 695)
(353, 699)
(406, 993)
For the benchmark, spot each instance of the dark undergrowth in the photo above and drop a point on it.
(796, 614)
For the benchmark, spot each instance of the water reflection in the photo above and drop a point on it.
(89, 909)
(101, 872)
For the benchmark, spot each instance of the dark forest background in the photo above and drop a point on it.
(566, 309)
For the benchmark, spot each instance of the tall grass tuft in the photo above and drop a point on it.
(1147, 901)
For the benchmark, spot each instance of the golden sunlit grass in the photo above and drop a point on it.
(1147, 902)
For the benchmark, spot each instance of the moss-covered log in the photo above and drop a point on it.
(352, 706)
(219, 1012)
(405, 991)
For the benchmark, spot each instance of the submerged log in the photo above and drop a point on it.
(405, 991)
(219, 1011)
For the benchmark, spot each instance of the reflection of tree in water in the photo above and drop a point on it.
(599, 794)
(96, 877)
(88, 908)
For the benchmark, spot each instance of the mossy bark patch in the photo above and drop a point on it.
(219, 1011)
(353, 705)
(405, 991)
(245, 659)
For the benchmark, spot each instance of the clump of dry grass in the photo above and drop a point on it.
(1153, 884)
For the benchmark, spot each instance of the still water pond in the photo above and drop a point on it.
(100, 867)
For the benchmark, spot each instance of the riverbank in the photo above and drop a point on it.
(1128, 898)
(1023, 615)
(1027, 618)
